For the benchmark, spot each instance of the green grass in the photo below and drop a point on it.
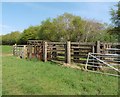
(22, 76)
(6, 49)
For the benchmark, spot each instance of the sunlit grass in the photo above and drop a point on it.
(22, 76)
(34, 77)
(6, 49)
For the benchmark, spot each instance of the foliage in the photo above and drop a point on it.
(92, 31)
(30, 33)
(11, 38)
(47, 31)
(116, 20)
(66, 27)
(63, 28)
(116, 15)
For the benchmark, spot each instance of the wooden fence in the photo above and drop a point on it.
(66, 51)
(92, 56)
(20, 51)
(35, 49)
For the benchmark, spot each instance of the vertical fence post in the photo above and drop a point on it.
(15, 49)
(93, 49)
(45, 51)
(98, 47)
(30, 49)
(103, 48)
(68, 52)
(24, 52)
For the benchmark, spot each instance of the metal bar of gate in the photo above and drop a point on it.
(104, 62)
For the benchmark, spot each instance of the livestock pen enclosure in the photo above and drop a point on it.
(31, 77)
(60, 48)
(97, 56)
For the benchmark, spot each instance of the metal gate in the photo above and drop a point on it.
(107, 62)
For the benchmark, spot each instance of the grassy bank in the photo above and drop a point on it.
(34, 77)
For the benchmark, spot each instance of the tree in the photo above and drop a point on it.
(92, 30)
(67, 27)
(70, 27)
(29, 33)
(47, 31)
(63, 28)
(116, 20)
(77, 28)
(11, 38)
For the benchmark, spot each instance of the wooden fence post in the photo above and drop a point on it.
(45, 51)
(104, 49)
(14, 49)
(68, 52)
(30, 49)
(98, 47)
(93, 49)
(24, 51)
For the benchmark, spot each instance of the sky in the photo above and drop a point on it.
(17, 16)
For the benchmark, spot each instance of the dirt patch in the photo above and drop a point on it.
(6, 54)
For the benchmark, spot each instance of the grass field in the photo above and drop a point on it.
(22, 77)
(6, 49)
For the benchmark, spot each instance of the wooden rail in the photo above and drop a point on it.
(68, 52)
(74, 52)
(20, 50)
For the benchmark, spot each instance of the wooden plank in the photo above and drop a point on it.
(110, 43)
(45, 51)
(30, 49)
(25, 51)
(93, 49)
(79, 61)
(72, 53)
(68, 52)
(59, 54)
(84, 43)
(56, 43)
(14, 50)
(78, 56)
(56, 46)
(59, 59)
(98, 47)
(57, 50)
(20, 45)
(81, 48)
